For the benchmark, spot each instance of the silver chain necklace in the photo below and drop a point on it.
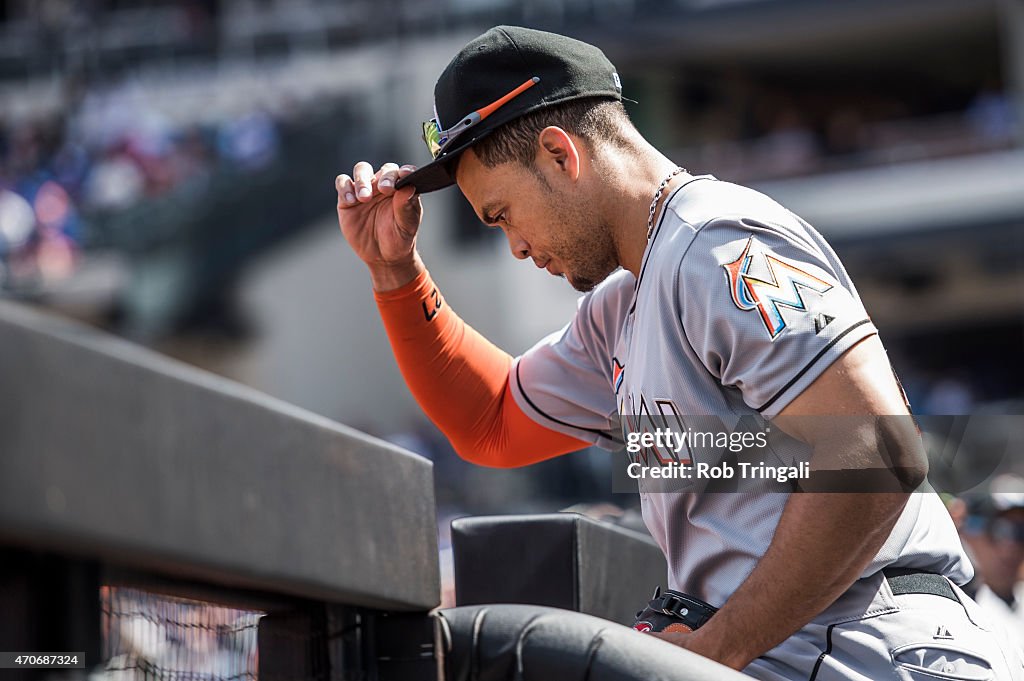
(657, 195)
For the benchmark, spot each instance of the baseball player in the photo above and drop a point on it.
(701, 298)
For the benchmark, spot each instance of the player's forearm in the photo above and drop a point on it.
(824, 540)
(831, 537)
(460, 379)
(456, 375)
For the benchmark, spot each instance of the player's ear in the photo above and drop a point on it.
(558, 149)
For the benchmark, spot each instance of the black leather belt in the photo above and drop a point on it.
(908, 581)
(689, 611)
(672, 608)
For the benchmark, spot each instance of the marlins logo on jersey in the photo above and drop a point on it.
(781, 288)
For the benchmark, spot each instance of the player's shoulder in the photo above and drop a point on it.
(710, 227)
(708, 201)
(710, 217)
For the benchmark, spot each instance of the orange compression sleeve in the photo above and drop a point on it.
(461, 380)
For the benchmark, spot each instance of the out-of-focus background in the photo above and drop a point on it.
(167, 167)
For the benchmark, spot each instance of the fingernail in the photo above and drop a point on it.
(363, 192)
(337, 182)
(350, 197)
(386, 182)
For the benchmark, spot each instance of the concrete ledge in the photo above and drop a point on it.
(108, 450)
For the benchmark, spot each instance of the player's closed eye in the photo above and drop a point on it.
(494, 221)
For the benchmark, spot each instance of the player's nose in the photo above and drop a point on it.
(520, 249)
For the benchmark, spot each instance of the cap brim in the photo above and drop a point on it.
(429, 178)
(437, 174)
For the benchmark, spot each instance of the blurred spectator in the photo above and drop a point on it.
(991, 525)
(788, 145)
(844, 132)
(17, 221)
(950, 396)
(115, 182)
(250, 140)
(991, 115)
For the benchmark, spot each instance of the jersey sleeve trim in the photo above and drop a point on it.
(865, 332)
(530, 408)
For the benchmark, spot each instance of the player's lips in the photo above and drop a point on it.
(546, 265)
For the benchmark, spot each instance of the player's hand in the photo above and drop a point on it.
(675, 637)
(695, 642)
(379, 223)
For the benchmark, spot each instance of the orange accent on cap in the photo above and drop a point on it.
(491, 108)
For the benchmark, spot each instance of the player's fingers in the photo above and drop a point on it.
(405, 171)
(362, 173)
(386, 178)
(408, 211)
(346, 191)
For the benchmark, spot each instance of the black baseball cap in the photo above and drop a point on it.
(494, 64)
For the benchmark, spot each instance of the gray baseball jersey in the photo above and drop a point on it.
(739, 306)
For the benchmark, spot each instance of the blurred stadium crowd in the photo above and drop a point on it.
(150, 636)
(108, 151)
(771, 136)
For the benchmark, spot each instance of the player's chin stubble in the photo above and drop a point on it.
(584, 243)
(593, 258)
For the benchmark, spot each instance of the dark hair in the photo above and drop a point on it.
(591, 118)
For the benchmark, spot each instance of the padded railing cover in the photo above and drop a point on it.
(534, 643)
(561, 560)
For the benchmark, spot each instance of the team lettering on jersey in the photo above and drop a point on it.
(665, 417)
(780, 289)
